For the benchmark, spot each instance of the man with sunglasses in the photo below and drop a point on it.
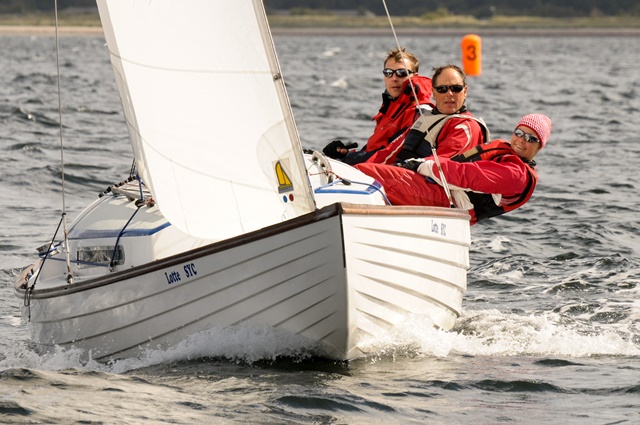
(458, 129)
(399, 108)
(487, 180)
(452, 128)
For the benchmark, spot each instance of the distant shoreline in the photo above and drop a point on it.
(515, 32)
(34, 30)
(44, 30)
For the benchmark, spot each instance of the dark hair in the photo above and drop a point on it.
(399, 55)
(438, 71)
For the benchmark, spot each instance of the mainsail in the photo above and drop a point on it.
(206, 108)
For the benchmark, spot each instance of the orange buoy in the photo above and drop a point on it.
(472, 54)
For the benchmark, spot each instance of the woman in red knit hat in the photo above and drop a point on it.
(488, 180)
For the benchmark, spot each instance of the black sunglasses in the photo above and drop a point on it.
(528, 137)
(455, 88)
(400, 73)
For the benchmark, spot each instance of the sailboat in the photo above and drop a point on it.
(226, 218)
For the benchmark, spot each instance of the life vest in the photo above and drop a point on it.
(423, 136)
(484, 204)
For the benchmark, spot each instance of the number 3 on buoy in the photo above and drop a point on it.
(472, 54)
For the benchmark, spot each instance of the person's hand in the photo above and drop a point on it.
(426, 169)
(335, 150)
(411, 164)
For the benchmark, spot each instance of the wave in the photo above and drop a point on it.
(573, 331)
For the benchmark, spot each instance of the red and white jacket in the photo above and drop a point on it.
(393, 120)
(488, 180)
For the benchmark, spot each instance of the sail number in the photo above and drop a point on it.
(440, 228)
(188, 271)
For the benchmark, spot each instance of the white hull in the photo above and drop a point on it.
(341, 276)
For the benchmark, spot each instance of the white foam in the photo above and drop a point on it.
(331, 52)
(477, 333)
(245, 342)
(341, 83)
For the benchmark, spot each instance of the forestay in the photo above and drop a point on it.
(210, 124)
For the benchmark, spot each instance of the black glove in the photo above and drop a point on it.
(331, 150)
(411, 164)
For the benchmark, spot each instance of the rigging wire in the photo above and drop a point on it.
(29, 289)
(64, 206)
(445, 185)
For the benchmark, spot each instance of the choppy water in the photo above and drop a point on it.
(550, 330)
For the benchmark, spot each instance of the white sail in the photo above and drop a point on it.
(206, 108)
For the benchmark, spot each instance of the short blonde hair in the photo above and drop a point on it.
(399, 54)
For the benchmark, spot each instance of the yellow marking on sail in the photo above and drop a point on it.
(284, 182)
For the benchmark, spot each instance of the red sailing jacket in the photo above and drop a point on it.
(497, 170)
(492, 168)
(397, 116)
(457, 135)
